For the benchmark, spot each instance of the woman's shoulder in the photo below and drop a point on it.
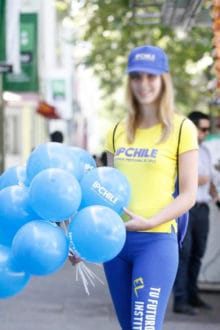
(117, 127)
(188, 133)
(115, 130)
(180, 119)
(117, 124)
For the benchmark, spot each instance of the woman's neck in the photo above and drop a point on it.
(148, 116)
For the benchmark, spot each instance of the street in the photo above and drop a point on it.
(58, 301)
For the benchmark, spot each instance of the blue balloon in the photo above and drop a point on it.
(5, 239)
(87, 160)
(55, 194)
(97, 233)
(12, 280)
(40, 247)
(52, 155)
(15, 175)
(15, 209)
(105, 186)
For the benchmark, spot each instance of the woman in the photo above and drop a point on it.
(144, 147)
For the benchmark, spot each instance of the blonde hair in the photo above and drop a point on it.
(165, 114)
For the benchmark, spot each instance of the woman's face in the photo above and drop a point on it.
(204, 128)
(146, 87)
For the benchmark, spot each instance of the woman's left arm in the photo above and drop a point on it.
(188, 183)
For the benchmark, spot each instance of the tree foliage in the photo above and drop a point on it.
(112, 34)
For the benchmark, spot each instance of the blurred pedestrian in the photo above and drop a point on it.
(97, 160)
(56, 136)
(186, 293)
(103, 158)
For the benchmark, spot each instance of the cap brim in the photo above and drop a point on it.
(145, 70)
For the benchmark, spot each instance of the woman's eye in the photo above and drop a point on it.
(135, 76)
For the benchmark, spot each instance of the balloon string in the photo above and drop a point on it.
(91, 274)
(82, 271)
(83, 278)
(86, 275)
(64, 224)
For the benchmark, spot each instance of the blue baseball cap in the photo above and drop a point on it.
(148, 59)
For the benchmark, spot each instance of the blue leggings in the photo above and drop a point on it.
(141, 277)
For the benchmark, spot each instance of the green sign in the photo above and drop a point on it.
(27, 79)
(58, 89)
(2, 30)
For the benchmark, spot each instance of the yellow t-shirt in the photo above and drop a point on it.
(151, 167)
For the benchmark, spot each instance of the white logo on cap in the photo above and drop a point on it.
(145, 57)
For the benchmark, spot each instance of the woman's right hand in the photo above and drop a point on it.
(73, 258)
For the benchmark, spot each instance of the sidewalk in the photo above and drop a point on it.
(206, 319)
(59, 302)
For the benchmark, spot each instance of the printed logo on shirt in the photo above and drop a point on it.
(137, 154)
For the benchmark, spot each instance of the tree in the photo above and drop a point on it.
(112, 34)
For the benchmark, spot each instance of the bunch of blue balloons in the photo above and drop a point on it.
(58, 183)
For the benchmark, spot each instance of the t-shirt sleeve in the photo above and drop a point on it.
(108, 146)
(189, 137)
